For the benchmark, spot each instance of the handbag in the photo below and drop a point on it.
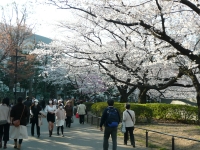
(72, 120)
(40, 121)
(123, 127)
(16, 123)
(77, 115)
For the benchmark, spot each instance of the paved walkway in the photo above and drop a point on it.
(78, 137)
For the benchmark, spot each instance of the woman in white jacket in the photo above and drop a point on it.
(4, 127)
(81, 111)
(129, 119)
(60, 119)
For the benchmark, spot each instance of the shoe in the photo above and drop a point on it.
(15, 146)
(0, 144)
(38, 136)
(125, 143)
(19, 146)
(4, 147)
(63, 135)
(58, 134)
(32, 134)
(133, 146)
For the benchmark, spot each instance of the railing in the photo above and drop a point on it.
(94, 120)
(173, 137)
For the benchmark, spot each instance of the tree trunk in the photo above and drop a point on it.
(196, 84)
(142, 96)
(124, 98)
(123, 90)
(198, 104)
(30, 95)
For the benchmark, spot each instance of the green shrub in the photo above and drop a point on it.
(145, 112)
(177, 112)
(142, 113)
(88, 105)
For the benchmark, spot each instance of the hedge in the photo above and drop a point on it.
(150, 111)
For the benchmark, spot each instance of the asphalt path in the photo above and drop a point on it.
(78, 137)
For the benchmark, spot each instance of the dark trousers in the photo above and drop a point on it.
(132, 139)
(33, 123)
(81, 119)
(58, 129)
(20, 141)
(107, 132)
(68, 121)
(28, 118)
(4, 132)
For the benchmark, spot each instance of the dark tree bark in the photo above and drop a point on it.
(142, 96)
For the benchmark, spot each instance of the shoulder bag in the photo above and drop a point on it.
(130, 115)
(16, 123)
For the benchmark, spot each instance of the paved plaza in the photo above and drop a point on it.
(78, 137)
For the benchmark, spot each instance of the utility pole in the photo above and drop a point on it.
(16, 51)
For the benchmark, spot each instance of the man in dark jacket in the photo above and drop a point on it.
(35, 111)
(110, 119)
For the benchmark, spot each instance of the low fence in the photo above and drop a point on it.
(94, 120)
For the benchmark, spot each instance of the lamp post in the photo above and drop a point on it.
(1, 86)
(16, 71)
(15, 77)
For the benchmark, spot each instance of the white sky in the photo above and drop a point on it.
(44, 17)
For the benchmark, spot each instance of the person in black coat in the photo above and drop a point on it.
(19, 112)
(43, 104)
(35, 111)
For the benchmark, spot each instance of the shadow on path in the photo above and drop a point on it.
(78, 137)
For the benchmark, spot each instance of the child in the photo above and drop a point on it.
(60, 119)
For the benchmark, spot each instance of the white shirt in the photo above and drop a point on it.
(81, 109)
(4, 113)
(50, 109)
(127, 118)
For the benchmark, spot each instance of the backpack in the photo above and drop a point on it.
(113, 118)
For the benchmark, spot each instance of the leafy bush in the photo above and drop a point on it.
(142, 112)
(177, 112)
(88, 105)
(145, 112)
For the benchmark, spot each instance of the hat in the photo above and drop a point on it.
(35, 100)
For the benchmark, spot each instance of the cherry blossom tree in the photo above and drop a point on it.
(62, 70)
(170, 24)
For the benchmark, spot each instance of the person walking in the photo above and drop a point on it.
(50, 109)
(35, 111)
(59, 102)
(43, 104)
(110, 119)
(129, 120)
(28, 104)
(4, 122)
(81, 110)
(19, 112)
(60, 119)
(69, 113)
